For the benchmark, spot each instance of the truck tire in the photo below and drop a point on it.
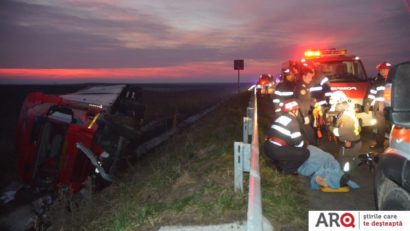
(392, 197)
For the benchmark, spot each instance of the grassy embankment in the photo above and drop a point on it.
(189, 180)
(283, 199)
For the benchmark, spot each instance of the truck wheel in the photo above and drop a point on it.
(393, 197)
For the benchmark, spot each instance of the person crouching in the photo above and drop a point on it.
(284, 143)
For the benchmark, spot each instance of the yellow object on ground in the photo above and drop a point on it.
(341, 189)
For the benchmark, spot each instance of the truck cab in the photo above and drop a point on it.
(63, 139)
(392, 179)
(345, 73)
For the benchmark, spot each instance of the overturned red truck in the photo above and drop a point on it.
(63, 139)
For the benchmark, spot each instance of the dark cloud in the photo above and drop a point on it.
(45, 37)
(96, 34)
(32, 47)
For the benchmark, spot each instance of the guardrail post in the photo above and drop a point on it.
(242, 163)
(247, 129)
(249, 113)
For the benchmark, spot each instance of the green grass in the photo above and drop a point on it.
(189, 180)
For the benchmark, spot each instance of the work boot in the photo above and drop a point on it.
(344, 179)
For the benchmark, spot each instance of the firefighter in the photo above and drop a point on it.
(320, 87)
(284, 90)
(376, 101)
(321, 92)
(285, 144)
(306, 103)
(295, 68)
(347, 129)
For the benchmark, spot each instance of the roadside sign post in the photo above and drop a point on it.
(238, 64)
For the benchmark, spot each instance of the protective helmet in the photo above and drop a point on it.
(285, 72)
(308, 67)
(292, 63)
(294, 66)
(338, 97)
(383, 65)
(290, 105)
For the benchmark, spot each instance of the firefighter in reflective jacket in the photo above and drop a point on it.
(306, 102)
(320, 91)
(347, 129)
(285, 144)
(284, 90)
(376, 100)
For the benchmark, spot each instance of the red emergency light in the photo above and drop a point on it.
(312, 53)
(323, 52)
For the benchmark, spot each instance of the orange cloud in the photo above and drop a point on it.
(199, 71)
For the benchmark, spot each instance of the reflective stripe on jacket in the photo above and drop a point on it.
(286, 128)
(376, 94)
(283, 91)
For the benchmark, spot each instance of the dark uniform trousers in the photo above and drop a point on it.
(305, 101)
(376, 96)
(285, 144)
(288, 158)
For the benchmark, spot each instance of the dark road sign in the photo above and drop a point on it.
(238, 64)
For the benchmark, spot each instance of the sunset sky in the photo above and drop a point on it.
(59, 41)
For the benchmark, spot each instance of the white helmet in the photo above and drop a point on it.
(336, 98)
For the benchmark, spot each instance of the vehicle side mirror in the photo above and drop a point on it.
(399, 76)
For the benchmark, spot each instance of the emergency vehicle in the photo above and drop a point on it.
(265, 84)
(345, 73)
(63, 139)
(392, 181)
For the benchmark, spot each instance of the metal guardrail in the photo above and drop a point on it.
(255, 218)
(247, 159)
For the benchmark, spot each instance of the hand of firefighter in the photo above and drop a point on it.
(306, 120)
(335, 131)
(347, 144)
